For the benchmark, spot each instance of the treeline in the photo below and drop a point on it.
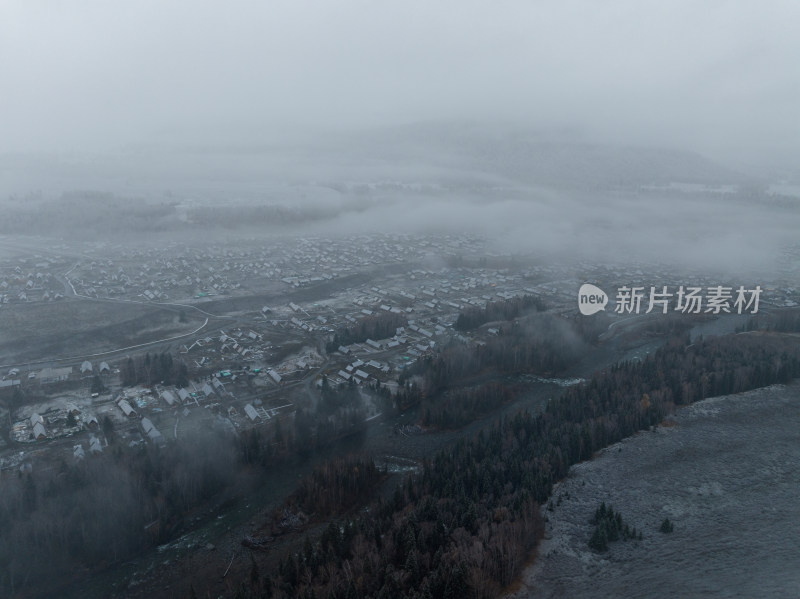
(466, 524)
(469, 537)
(610, 527)
(670, 324)
(262, 215)
(340, 412)
(633, 395)
(458, 407)
(590, 329)
(338, 397)
(783, 321)
(379, 326)
(473, 317)
(107, 508)
(152, 369)
(542, 345)
(335, 487)
(88, 213)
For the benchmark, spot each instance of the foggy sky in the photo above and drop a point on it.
(90, 75)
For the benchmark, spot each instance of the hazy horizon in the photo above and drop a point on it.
(88, 78)
(553, 128)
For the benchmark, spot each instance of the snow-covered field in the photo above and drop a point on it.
(727, 474)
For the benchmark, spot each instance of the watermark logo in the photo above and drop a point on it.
(591, 299)
(687, 300)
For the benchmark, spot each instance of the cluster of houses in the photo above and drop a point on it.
(181, 271)
(357, 370)
(94, 444)
(54, 422)
(427, 300)
(29, 283)
(141, 405)
(58, 374)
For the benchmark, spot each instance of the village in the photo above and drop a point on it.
(281, 335)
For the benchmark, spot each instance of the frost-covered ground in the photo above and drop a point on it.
(727, 474)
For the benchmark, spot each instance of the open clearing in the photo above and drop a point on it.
(726, 474)
(49, 331)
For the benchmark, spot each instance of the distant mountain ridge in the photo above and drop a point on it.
(455, 155)
(527, 156)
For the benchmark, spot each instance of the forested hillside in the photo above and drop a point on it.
(468, 522)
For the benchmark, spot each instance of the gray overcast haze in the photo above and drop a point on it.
(720, 78)
(316, 246)
(557, 128)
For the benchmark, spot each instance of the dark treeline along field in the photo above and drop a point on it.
(474, 317)
(457, 407)
(540, 343)
(262, 215)
(339, 412)
(88, 213)
(335, 486)
(158, 368)
(785, 321)
(467, 523)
